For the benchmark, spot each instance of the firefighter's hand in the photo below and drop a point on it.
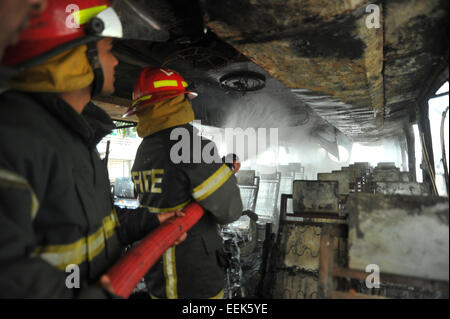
(166, 216)
(106, 284)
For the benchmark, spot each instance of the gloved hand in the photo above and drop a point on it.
(166, 216)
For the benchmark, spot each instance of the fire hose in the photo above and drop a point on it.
(128, 271)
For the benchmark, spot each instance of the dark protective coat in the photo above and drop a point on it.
(56, 207)
(191, 269)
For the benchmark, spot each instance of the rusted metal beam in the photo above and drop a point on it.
(348, 295)
(326, 263)
(425, 284)
(318, 215)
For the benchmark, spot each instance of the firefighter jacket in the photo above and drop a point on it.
(192, 269)
(56, 207)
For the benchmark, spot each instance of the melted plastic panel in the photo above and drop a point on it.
(403, 235)
(341, 177)
(315, 197)
(400, 188)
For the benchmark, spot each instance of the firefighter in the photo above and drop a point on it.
(59, 230)
(162, 105)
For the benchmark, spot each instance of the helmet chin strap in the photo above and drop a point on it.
(94, 60)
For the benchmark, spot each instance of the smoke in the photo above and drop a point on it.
(302, 144)
(295, 144)
(257, 111)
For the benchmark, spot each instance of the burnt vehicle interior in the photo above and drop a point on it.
(360, 173)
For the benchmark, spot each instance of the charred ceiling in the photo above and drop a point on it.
(318, 57)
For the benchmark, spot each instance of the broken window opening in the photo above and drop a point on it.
(438, 117)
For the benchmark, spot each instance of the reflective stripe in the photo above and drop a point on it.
(85, 15)
(170, 273)
(76, 253)
(212, 183)
(144, 98)
(11, 180)
(165, 83)
(184, 84)
(166, 210)
(219, 295)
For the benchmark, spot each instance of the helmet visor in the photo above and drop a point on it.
(130, 19)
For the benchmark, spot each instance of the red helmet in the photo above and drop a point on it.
(157, 84)
(63, 22)
(66, 24)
